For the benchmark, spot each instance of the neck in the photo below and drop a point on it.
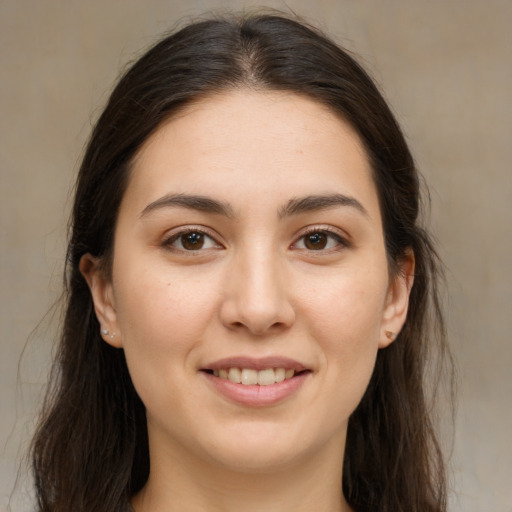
(179, 482)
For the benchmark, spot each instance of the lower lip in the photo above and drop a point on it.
(255, 395)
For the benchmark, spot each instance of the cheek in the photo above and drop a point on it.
(346, 324)
(159, 299)
(162, 318)
(349, 307)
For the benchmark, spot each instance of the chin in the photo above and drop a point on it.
(258, 459)
(260, 448)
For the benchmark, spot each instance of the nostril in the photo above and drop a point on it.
(258, 329)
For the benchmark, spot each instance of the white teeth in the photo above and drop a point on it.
(250, 377)
(266, 377)
(234, 375)
(280, 374)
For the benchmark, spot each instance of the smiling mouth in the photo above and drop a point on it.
(252, 377)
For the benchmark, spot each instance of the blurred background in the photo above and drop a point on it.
(445, 66)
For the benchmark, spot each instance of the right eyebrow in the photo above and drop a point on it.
(193, 202)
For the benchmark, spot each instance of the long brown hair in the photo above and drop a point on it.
(90, 451)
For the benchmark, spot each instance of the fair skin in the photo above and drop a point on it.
(249, 236)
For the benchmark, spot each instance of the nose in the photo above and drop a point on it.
(256, 296)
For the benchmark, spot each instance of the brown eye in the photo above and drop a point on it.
(316, 241)
(192, 241)
(320, 240)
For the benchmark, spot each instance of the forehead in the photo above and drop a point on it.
(241, 143)
(243, 114)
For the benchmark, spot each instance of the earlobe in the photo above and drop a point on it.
(103, 299)
(397, 300)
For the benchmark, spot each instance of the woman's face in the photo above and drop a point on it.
(249, 249)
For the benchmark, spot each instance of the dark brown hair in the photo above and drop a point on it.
(91, 449)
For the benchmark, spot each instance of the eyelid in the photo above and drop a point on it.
(338, 234)
(175, 233)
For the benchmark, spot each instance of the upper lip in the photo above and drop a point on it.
(256, 363)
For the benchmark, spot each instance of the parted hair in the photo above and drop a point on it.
(90, 451)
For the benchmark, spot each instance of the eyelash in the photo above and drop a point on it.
(341, 242)
(169, 241)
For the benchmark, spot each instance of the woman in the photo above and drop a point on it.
(251, 300)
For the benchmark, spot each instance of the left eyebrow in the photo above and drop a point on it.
(320, 202)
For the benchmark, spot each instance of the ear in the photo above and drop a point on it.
(397, 300)
(103, 298)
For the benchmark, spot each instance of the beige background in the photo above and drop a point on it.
(446, 68)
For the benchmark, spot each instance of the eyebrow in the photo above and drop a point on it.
(293, 207)
(320, 202)
(193, 202)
